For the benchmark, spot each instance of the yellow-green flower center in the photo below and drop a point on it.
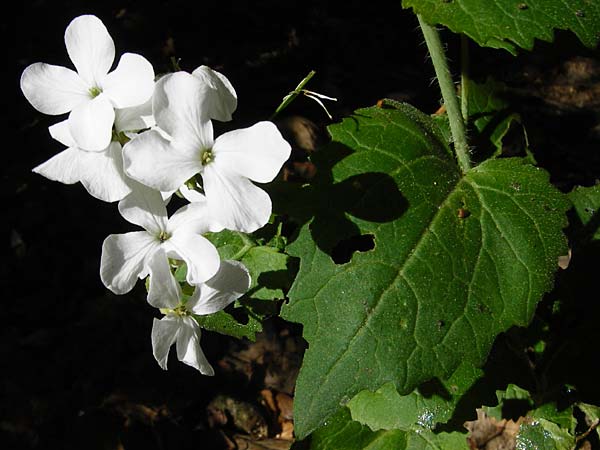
(95, 91)
(179, 310)
(207, 157)
(163, 236)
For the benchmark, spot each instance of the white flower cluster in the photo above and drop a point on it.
(135, 140)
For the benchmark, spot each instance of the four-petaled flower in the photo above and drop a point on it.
(227, 164)
(91, 94)
(178, 325)
(126, 257)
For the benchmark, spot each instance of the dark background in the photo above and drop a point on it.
(68, 347)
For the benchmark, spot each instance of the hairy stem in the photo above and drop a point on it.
(464, 78)
(440, 65)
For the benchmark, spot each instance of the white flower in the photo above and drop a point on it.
(126, 257)
(101, 173)
(91, 94)
(178, 326)
(226, 164)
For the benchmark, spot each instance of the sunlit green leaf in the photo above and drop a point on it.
(421, 409)
(457, 259)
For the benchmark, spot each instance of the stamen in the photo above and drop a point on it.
(95, 91)
(207, 157)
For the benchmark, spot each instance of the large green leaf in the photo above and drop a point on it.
(456, 260)
(510, 24)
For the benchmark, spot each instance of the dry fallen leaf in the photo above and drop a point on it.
(244, 442)
(487, 433)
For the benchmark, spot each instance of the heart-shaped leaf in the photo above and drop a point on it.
(457, 259)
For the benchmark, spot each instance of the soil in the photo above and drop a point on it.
(78, 370)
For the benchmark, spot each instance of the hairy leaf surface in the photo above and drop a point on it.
(457, 259)
(510, 24)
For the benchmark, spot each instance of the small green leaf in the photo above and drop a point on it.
(586, 202)
(563, 418)
(270, 278)
(456, 259)
(510, 24)
(342, 433)
(490, 114)
(541, 434)
(422, 409)
(512, 393)
(224, 323)
(592, 415)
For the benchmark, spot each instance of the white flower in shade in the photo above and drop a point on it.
(90, 94)
(178, 325)
(100, 172)
(227, 164)
(126, 257)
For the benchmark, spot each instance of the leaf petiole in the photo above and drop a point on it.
(440, 64)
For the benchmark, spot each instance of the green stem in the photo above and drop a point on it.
(440, 65)
(464, 78)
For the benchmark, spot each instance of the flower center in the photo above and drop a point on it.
(163, 236)
(95, 91)
(180, 310)
(207, 157)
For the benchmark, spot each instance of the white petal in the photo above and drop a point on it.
(257, 152)
(164, 289)
(153, 161)
(230, 283)
(90, 47)
(195, 218)
(179, 104)
(90, 124)
(164, 334)
(63, 167)
(134, 118)
(145, 207)
(236, 203)
(60, 131)
(188, 347)
(124, 258)
(102, 173)
(52, 89)
(199, 254)
(222, 100)
(131, 83)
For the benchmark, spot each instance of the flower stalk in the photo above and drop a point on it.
(440, 65)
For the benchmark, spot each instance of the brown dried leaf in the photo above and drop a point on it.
(244, 442)
(487, 433)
